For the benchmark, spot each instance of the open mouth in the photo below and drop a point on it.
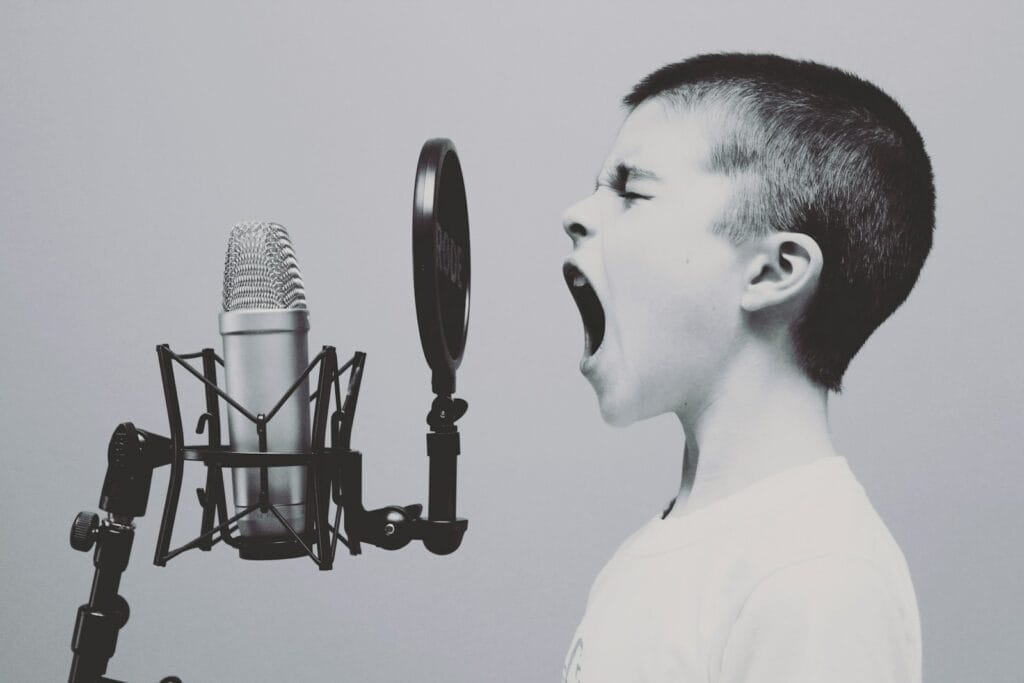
(588, 303)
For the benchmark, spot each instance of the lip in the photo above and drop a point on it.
(588, 362)
(591, 311)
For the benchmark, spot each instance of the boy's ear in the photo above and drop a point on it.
(783, 270)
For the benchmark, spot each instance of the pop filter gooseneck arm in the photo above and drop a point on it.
(441, 278)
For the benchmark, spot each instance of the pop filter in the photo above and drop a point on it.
(440, 254)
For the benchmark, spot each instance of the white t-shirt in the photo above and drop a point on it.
(794, 579)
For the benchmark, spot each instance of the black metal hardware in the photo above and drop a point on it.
(100, 619)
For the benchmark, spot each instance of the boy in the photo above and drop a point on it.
(756, 219)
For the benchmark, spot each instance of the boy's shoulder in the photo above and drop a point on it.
(816, 517)
(820, 565)
(817, 510)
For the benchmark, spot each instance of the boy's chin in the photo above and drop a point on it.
(623, 408)
(618, 411)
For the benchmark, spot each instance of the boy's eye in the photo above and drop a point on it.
(632, 196)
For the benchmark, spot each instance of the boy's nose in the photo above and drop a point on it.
(575, 222)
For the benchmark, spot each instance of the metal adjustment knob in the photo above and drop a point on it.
(83, 531)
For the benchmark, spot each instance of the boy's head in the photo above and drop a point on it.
(746, 197)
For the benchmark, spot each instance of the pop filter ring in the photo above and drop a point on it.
(441, 263)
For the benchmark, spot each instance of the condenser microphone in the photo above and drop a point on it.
(264, 326)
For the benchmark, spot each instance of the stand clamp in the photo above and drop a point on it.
(131, 458)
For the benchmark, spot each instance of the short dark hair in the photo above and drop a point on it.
(819, 151)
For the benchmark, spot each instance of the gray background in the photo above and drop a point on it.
(133, 137)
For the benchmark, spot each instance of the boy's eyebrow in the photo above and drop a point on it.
(617, 177)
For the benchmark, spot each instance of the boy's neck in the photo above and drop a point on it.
(763, 419)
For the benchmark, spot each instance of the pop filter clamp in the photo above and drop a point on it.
(441, 268)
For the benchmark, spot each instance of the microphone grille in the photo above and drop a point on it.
(260, 270)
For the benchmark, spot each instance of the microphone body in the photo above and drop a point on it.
(264, 326)
(265, 351)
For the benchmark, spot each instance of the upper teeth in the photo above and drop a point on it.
(579, 281)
